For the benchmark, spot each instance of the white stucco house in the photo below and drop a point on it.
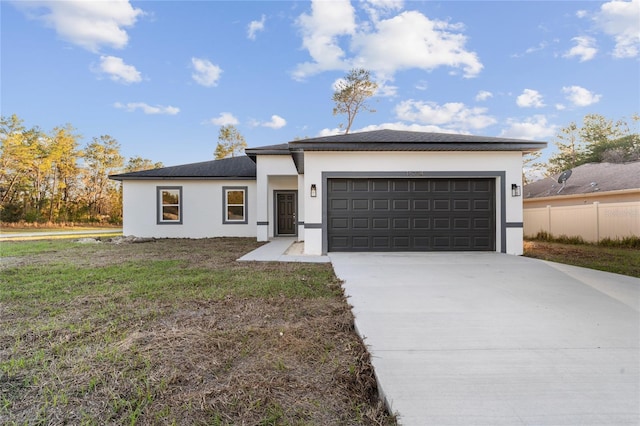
(382, 190)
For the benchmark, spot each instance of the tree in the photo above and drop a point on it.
(102, 158)
(352, 93)
(570, 149)
(136, 164)
(230, 142)
(62, 152)
(599, 139)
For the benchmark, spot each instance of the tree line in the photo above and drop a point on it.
(49, 177)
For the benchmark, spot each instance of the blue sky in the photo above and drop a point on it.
(161, 77)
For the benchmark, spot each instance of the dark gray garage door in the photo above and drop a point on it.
(417, 214)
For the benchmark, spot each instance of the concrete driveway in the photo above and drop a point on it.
(494, 339)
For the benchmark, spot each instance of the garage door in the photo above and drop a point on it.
(416, 214)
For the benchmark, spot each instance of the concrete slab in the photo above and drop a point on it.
(276, 251)
(487, 338)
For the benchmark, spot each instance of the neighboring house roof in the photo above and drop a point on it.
(228, 168)
(588, 178)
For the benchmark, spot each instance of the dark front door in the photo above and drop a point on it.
(286, 213)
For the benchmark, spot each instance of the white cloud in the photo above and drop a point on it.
(118, 70)
(532, 128)
(530, 99)
(320, 32)
(584, 48)
(148, 109)
(579, 96)
(483, 95)
(88, 24)
(560, 107)
(225, 119)
(276, 122)
(384, 46)
(619, 19)
(453, 114)
(206, 74)
(412, 40)
(376, 8)
(581, 13)
(254, 27)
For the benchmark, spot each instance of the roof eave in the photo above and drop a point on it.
(123, 178)
(419, 146)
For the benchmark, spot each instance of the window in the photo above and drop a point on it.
(169, 204)
(234, 204)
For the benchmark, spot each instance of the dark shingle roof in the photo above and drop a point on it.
(378, 140)
(401, 140)
(228, 168)
(588, 178)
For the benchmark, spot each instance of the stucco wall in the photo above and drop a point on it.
(508, 164)
(274, 172)
(202, 209)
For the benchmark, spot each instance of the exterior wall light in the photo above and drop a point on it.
(515, 190)
(314, 191)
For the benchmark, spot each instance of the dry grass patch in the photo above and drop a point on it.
(177, 332)
(620, 260)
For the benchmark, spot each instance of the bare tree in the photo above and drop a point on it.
(352, 93)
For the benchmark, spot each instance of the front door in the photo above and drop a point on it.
(286, 213)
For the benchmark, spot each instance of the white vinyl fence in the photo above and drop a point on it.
(592, 222)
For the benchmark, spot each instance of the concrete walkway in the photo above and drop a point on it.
(493, 339)
(276, 251)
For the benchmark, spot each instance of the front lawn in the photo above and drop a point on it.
(176, 332)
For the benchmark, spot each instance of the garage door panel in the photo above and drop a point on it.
(461, 185)
(339, 204)
(402, 205)
(360, 204)
(339, 223)
(482, 205)
(462, 205)
(400, 223)
(425, 214)
(421, 223)
(338, 185)
(360, 185)
(380, 185)
(421, 185)
(381, 223)
(360, 223)
(442, 205)
(441, 185)
(421, 205)
(400, 185)
(380, 205)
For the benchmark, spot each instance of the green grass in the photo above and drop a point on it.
(11, 249)
(176, 332)
(157, 280)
